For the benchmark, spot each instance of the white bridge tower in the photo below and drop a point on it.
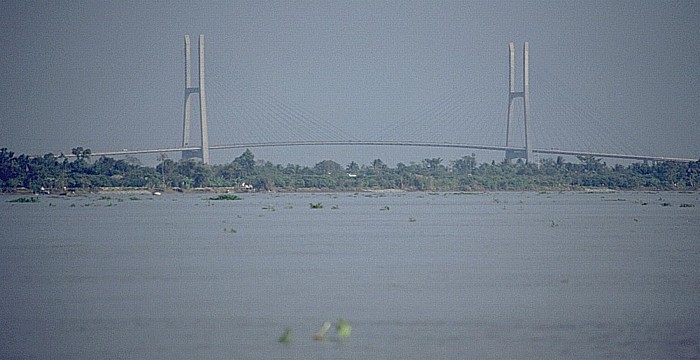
(203, 152)
(525, 95)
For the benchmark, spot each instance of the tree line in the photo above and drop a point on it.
(435, 174)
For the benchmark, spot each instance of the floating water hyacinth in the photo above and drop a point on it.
(286, 338)
(25, 200)
(226, 197)
(344, 329)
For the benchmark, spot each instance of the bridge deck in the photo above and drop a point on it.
(395, 143)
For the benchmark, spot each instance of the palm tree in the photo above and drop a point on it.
(163, 157)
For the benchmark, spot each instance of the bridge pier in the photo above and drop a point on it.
(517, 154)
(192, 154)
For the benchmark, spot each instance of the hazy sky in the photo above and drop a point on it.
(617, 76)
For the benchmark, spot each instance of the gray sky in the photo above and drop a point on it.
(618, 76)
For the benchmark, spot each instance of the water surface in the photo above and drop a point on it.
(418, 275)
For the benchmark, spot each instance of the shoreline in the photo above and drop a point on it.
(227, 190)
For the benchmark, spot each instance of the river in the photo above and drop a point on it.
(417, 275)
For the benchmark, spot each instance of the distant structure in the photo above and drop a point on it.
(512, 95)
(203, 152)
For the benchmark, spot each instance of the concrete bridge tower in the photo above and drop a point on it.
(525, 95)
(203, 152)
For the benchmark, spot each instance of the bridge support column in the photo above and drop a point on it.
(203, 152)
(525, 153)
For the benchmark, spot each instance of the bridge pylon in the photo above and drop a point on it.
(525, 95)
(203, 152)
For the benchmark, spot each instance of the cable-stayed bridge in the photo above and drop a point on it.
(458, 119)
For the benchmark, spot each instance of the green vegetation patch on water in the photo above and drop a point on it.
(344, 329)
(25, 200)
(286, 337)
(226, 197)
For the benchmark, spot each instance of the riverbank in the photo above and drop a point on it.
(246, 173)
(226, 190)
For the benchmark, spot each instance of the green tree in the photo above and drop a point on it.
(81, 153)
(353, 168)
(193, 173)
(9, 169)
(329, 167)
(434, 164)
(82, 156)
(164, 163)
(379, 167)
(591, 164)
(465, 165)
(246, 162)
